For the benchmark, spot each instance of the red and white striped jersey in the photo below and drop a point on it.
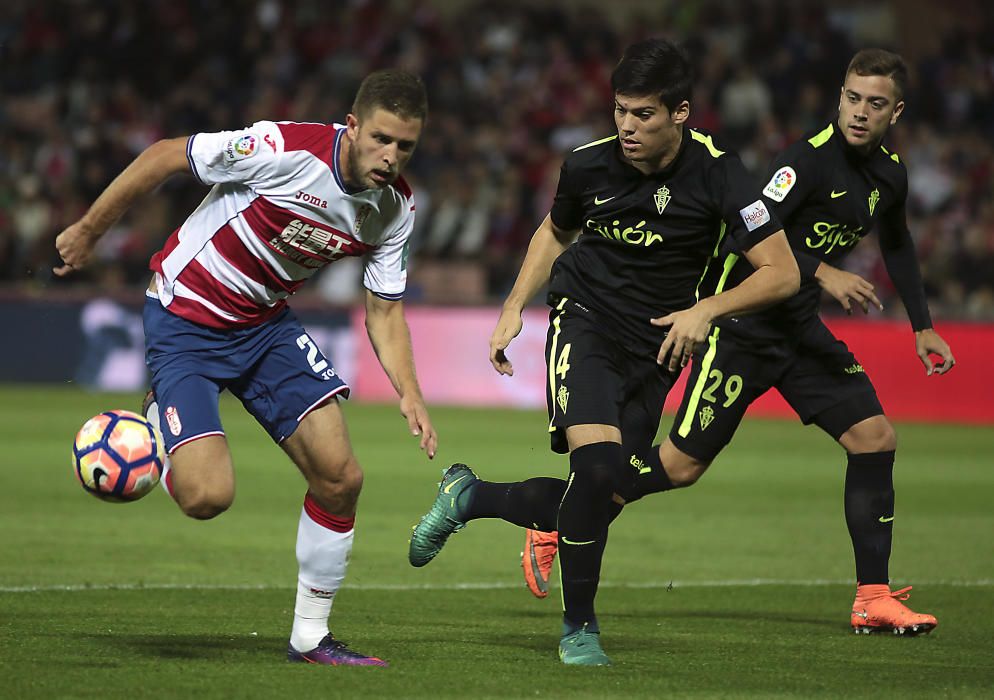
(278, 212)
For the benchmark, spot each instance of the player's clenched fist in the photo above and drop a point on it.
(75, 247)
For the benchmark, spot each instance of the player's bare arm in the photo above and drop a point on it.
(151, 168)
(847, 288)
(775, 278)
(391, 339)
(547, 244)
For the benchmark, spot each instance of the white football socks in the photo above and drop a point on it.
(324, 543)
(152, 415)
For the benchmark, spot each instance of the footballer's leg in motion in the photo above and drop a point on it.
(827, 386)
(606, 388)
(307, 422)
(534, 503)
(462, 496)
(581, 506)
(207, 485)
(642, 472)
(187, 379)
(541, 547)
(869, 507)
(321, 449)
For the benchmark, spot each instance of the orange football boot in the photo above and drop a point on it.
(536, 560)
(877, 609)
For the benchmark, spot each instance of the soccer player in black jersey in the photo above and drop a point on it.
(830, 189)
(648, 208)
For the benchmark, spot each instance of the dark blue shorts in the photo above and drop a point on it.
(275, 369)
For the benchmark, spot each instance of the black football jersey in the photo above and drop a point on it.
(646, 240)
(828, 196)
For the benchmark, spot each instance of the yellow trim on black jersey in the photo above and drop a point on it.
(708, 142)
(822, 137)
(595, 143)
(729, 264)
(893, 156)
(707, 265)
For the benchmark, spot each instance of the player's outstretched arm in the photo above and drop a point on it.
(146, 172)
(391, 340)
(547, 244)
(774, 279)
(846, 288)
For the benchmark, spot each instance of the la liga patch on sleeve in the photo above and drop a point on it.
(241, 146)
(755, 215)
(780, 184)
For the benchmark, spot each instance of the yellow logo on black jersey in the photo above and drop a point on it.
(831, 235)
(873, 199)
(662, 198)
(632, 235)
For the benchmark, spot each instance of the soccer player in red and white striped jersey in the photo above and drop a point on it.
(286, 199)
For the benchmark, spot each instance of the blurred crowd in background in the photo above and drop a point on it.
(513, 86)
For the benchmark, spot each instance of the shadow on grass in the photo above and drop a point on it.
(760, 617)
(192, 646)
(663, 614)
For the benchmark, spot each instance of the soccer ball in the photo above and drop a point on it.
(118, 456)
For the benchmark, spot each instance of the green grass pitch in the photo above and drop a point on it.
(101, 600)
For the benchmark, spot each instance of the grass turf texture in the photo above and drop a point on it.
(757, 552)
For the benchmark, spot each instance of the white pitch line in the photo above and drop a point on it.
(465, 586)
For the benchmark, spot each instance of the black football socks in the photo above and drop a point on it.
(532, 503)
(869, 502)
(583, 525)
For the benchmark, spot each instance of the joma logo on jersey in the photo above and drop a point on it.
(828, 236)
(312, 199)
(633, 235)
(854, 369)
(306, 244)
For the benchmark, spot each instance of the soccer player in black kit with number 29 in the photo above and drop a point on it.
(649, 209)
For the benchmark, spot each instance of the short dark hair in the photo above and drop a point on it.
(654, 67)
(881, 62)
(396, 91)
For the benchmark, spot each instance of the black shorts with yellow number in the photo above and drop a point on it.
(815, 372)
(592, 379)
